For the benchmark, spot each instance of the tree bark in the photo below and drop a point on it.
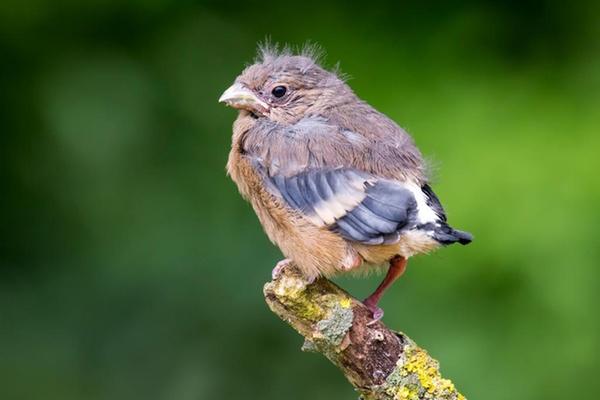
(381, 364)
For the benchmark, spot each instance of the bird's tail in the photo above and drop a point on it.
(446, 235)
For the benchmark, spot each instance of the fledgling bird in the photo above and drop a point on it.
(336, 185)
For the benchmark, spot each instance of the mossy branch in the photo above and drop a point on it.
(381, 364)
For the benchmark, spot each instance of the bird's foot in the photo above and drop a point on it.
(279, 267)
(286, 262)
(376, 311)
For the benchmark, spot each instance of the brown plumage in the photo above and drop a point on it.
(337, 185)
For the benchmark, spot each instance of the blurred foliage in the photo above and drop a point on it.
(130, 268)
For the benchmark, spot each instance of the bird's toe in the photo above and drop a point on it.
(377, 313)
(279, 267)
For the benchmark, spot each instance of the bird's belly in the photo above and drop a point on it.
(316, 250)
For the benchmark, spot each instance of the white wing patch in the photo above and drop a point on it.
(425, 214)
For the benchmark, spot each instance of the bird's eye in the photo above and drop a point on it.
(279, 91)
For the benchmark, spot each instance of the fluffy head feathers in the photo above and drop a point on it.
(292, 84)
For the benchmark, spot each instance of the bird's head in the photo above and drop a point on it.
(285, 87)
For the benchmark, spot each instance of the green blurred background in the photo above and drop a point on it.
(130, 268)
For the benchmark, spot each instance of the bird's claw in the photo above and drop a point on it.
(279, 267)
(377, 313)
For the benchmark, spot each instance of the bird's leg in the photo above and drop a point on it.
(396, 269)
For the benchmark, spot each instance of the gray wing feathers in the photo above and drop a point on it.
(387, 209)
(354, 204)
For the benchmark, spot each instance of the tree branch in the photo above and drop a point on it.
(381, 364)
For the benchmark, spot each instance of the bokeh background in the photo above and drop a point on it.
(130, 268)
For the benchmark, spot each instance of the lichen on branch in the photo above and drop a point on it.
(381, 364)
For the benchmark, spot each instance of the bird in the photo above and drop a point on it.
(337, 185)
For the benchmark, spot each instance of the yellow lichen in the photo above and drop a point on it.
(310, 312)
(292, 292)
(426, 370)
(446, 384)
(345, 302)
(403, 393)
(406, 393)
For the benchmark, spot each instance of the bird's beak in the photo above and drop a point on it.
(240, 97)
